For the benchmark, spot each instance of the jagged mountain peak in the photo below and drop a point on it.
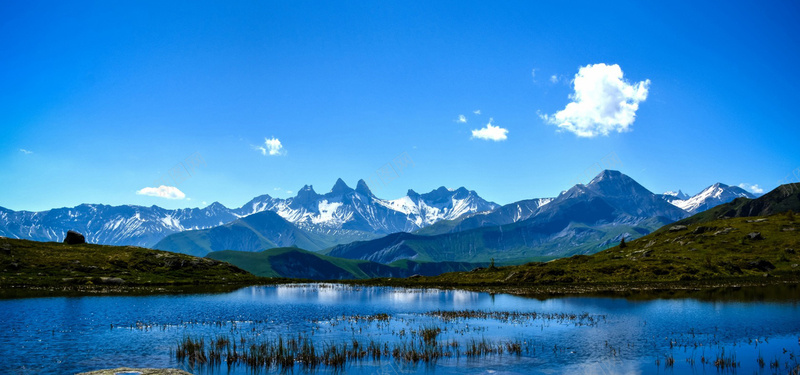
(608, 174)
(439, 194)
(361, 187)
(306, 195)
(340, 187)
(216, 206)
(615, 183)
(677, 194)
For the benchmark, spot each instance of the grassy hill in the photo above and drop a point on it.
(31, 264)
(292, 262)
(727, 251)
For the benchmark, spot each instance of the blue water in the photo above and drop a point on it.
(64, 335)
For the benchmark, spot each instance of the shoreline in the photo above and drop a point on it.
(646, 290)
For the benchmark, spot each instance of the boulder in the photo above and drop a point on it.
(761, 264)
(678, 228)
(701, 230)
(74, 238)
(754, 236)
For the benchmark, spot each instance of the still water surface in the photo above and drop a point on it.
(65, 335)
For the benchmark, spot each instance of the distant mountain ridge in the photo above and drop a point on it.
(343, 212)
(711, 196)
(782, 199)
(583, 219)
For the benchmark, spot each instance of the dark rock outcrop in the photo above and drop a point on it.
(762, 265)
(74, 238)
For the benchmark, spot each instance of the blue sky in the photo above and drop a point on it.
(101, 100)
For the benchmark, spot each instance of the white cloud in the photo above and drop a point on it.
(168, 192)
(477, 111)
(753, 188)
(462, 119)
(490, 132)
(272, 146)
(289, 192)
(24, 151)
(554, 78)
(602, 102)
(533, 74)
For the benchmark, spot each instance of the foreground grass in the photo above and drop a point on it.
(57, 267)
(718, 253)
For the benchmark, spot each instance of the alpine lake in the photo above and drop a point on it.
(334, 328)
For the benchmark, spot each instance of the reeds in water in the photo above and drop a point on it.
(285, 353)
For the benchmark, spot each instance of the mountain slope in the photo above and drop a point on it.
(708, 248)
(507, 214)
(256, 232)
(584, 219)
(781, 199)
(297, 263)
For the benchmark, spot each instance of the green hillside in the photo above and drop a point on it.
(510, 243)
(26, 263)
(292, 262)
(762, 249)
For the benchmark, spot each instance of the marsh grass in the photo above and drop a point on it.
(284, 353)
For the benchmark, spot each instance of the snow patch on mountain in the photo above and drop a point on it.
(711, 196)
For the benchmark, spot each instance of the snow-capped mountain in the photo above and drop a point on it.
(111, 225)
(582, 220)
(675, 195)
(711, 196)
(342, 211)
(344, 208)
(506, 214)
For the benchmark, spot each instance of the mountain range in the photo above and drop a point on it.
(584, 219)
(454, 225)
(339, 216)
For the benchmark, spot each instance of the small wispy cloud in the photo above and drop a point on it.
(533, 74)
(554, 78)
(289, 192)
(24, 151)
(272, 146)
(603, 102)
(163, 191)
(490, 132)
(753, 188)
(462, 119)
(477, 111)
